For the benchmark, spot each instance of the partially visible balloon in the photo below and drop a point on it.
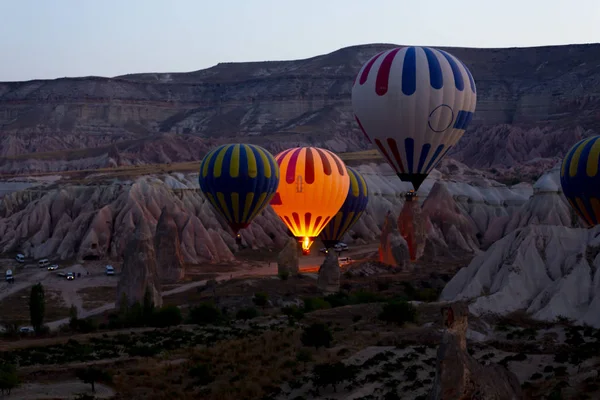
(350, 212)
(239, 180)
(414, 104)
(313, 187)
(580, 179)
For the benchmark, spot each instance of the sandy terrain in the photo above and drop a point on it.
(59, 390)
(92, 275)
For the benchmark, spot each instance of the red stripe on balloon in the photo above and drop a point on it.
(394, 147)
(319, 218)
(384, 152)
(309, 167)
(290, 173)
(296, 219)
(289, 223)
(325, 161)
(338, 163)
(383, 75)
(365, 72)
(325, 221)
(280, 156)
(276, 200)
(362, 129)
(307, 220)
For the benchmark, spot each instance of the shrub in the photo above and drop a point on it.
(201, 374)
(92, 375)
(315, 303)
(284, 275)
(204, 313)
(293, 312)
(398, 312)
(8, 378)
(167, 316)
(260, 299)
(317, 335)
(246, 313)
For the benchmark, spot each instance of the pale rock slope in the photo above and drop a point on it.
(547, 206)
(96, 221)
(547, 271)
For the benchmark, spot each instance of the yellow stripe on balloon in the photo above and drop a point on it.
(592, 161)
(212, 200)
(235, 204)
(348, 221)
(219, 161)
(363, 184)
(266, 163)
(252, 166)
(354, 184)
(259, 205)
(576, 157)
(221, 198)
(207, 160)
(247, 205)
(234, 165)
(584, 211)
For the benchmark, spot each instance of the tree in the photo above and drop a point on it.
(304, 356)
(317, 335)
(204, 313)
(167, 316)
(148, 307)
(92, 375)
(398, 312)
(332, 374)
(8, 378)
(260, 299)
(37, 307)
(73, 321)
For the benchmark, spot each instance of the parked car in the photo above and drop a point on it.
(43, 262)
(52, 267)
(10, 278)
(26, 329)
(70, 276)
(20, 258)
(109, 270)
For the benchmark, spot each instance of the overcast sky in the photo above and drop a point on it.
(58, 38)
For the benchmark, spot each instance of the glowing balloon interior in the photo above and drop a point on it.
(580, 180)
(239, 180)
(313, 187)
(414, 104)
(350, 212)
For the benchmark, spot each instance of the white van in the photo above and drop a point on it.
(109, 270)
(43, 263)
(345, 260)
(9, 276)
(20, 258)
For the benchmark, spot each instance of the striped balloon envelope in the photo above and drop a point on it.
(580, 179)
(313, 186)
(413, 104)
(350, 212)
(239, 180)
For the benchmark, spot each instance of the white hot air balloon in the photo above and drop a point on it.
(414, 104)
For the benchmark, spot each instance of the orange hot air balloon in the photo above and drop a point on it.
(313, 185)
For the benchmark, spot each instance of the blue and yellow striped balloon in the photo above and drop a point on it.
(580, 179)
(239, 180)
(350, 212)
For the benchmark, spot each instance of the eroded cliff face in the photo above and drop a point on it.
(533, 103)
(97, 220)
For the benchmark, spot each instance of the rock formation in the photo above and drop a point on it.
(168, 249)
(547, 271)
(393, 249)
(329, 274)
(459, 376)
(288, 260)
(139, 273)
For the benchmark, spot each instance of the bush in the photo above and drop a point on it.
(201, 374)
(92, 375)
(317, 335)
(204, 313)
(293, 312)
(427, 295)
(246, 313)
(364, 297)
(8, 378)
(337, 299)
(260, 299)
(315, 303)
(167, 316)
(284, 275)
(398, 312)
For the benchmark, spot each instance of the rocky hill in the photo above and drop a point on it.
(533, 103)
